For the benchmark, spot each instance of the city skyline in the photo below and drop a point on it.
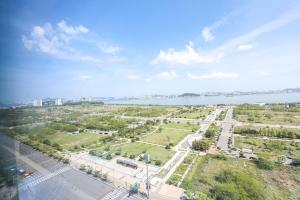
(125, 50)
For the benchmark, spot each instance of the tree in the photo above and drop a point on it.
(47, 142)
(200, 145)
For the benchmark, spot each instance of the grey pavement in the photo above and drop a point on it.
(56, 181)
(226, 133)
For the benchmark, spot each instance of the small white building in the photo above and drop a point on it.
(58, 102)
(37, 103)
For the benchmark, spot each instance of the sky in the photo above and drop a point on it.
(67, 49)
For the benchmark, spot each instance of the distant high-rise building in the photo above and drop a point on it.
(58, 102)
(89, 99)
(38, 103)
(86, 99)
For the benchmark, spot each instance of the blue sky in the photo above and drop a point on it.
(126, 48)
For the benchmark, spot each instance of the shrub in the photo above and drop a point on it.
(66, 160)
(108, 156)
(82, 167)
(264, 164)
(92, 152)
(97, 174)
(132, 156)
(89, 171)
(219, 157)
(158, 162)
(236, 185)
(57, 146)
(228, 192)
(47, 142)
(141, 158)
(104, 177)
(226, 176)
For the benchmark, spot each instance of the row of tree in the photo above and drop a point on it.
(269, 132)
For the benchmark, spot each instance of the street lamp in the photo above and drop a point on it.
(147, 160)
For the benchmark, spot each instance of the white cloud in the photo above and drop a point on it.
(187, 56)
(279, 22)
(108, 49)
(207, 35)
(207, 31)
(243, 47)
(190, 55)
(167, 75)
(72, 30)
(54, 42)
(133, 76)
(57, 42)
(214, 75)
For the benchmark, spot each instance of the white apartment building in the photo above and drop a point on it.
(58, 102)
(38, 103)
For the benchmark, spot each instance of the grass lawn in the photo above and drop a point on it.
(181, 169)
(266, 115)
(168, 135)
(276, 184)
(156, 152)
(185, 126)
(68, 140)
(145, 111)
(194, 113)
(268, 149)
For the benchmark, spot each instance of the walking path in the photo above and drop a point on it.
(236, 123)
(150, 143)
(269, 138)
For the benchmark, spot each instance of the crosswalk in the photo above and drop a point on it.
(118, 193)
(37, 178)
(31, 178)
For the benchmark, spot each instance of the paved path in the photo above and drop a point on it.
(150, 143)
(269, 138)
(236, 123)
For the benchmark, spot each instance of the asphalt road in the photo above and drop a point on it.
(50, 179)
(226, 131)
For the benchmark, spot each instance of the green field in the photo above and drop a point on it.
(267, 149)
(69, 140)
(244, 180)
(170, 133)
(269, 114)
(193, 112)
(137, 149)
(146, 111)
(222, 115)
